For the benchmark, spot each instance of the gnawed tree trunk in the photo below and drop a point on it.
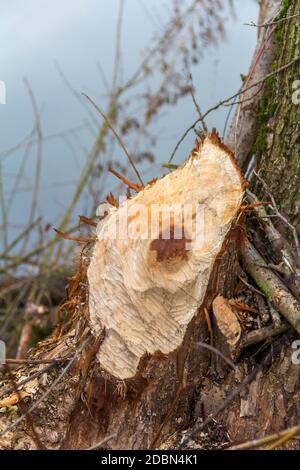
(139, 366)
(148, 399)
(154, 256)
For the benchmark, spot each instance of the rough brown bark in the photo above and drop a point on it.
(88, 403)
(244, 125)
(171, 392)
(277, 147)
(271, 402)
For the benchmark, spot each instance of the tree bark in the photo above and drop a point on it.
(73, 404)
(277, 146)
(137, 322)
(244, 125)
(271, 402)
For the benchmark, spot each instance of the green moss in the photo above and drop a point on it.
(280, 27)
(266, 110)
(267, 103)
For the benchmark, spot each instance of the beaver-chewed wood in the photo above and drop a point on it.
(154, 255)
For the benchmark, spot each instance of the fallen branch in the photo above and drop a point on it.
(272, 286)
(256, 336)
(271, 23)
(101, 443)
(291, 432)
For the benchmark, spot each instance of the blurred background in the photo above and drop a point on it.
(65, 48)
(145, 63)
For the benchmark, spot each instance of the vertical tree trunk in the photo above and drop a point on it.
(171, 391)
(277, 147)
(271, 402)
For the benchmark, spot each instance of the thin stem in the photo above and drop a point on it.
(109, 124)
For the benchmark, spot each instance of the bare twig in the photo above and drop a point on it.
(66, 236)
(257, 336)
(278, 214)
(3, 211)
(118, 47)
(38, 157)
(251, 287)
(75, 93)
(33, 361)
(273, 287)
(87, 221)
(291, 432)
(221, 103)
(218, 352)
(21, 236)
(101, 443)
(125, 180)
(30, 377)
(47, 393)
(24, 409)
(288, 434)
(271, 23)
(197, 106)
(109, 123)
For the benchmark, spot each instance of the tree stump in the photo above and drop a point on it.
(136, 317)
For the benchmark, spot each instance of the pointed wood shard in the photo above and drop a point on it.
(154, 255)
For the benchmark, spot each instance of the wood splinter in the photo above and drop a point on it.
(125, 180)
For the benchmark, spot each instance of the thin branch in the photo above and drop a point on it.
(101, 443)
(251, 287)
(33, 361)
(118, 47)
(218, 352)
(266, 439)
(24, 408)
(39, 155)
(109, 123)
(65, 236)
(223, 102)
(196, 104)
(289, 434)
(265, 25)
(278, 214)
(125, 180)
(21, 236)
(47, 393)
(3, 211)
(30, 378)
(272, 286)
(75, 93)
(87, 221)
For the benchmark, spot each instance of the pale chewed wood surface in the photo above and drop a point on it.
(144, 288)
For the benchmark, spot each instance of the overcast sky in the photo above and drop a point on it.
(78, 34)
